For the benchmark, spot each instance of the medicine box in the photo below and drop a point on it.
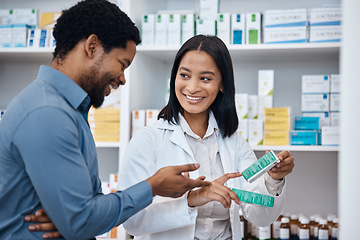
(315, 83)
(37, 38)
(303, 137)
(5, 16)
(306, 123)
(5, 36)
(243, 128)
(238, 28)
(223, 27)
(334, 118)
(264, 102)
(261, 166)
(255, 132)
(174, 30)
(285, 35)
(276, 138)
(324, 117)
(205, 26)
(19, 35)
(325, 16)
(315, 102)
(241, 104)
(335, 82)
(285, 18)
(252, 107)
(48, 19)
(138, 120)
(330, 136)
(161, 29)
(253, 28)
(187, 27)
(27, 16)
(209, 9)
(335, 102)
(325, 34)
(254, 198)
(151, 116)
(148, 30)
(266, 82)
(277, 119)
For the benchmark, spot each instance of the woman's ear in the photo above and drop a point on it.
(222, 88)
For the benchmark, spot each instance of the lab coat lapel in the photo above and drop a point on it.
(179, 139)
(227, 156)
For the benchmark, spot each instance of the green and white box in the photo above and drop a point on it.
(5, 16)
(205, 26)
(27, 16)
(187, 27)
(174, 30)
(209, 9)
(148, 30)
(261, 166)
(253, 28)
(265, 82)
(253, 107)
(238, 28)
(256, 132)
(254, 198)
(241, 104)
(161, 29)
(223, 27)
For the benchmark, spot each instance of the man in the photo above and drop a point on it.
(48, 157)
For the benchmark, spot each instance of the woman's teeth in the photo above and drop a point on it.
(193, 98)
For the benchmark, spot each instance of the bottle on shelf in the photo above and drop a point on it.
(294, 223)
(323, 230)
(265, 233)
(285, 229)
(335, 229)
(316, 228)
(330, 218)
(275, 228)
(304, 229)
(312, 226)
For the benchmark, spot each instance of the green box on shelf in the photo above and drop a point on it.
(254, 198)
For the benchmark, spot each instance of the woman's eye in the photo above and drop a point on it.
(183, 75)
(205, 79)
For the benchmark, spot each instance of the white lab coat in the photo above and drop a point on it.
(164, 144)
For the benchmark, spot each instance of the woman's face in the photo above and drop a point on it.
(197, 83)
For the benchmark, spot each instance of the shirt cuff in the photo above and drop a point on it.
(141, 193)
(274, 186)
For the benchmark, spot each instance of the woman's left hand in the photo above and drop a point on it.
(284, 167)
(44, 224)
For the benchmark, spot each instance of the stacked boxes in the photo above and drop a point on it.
(265, 91)
(277, 126)
(238, 28)
(141, 118)
(285, 26)
(223, 27)
(325, 24)
(187, 26)
(148, 29)
(253, 28)
(105, 124)
(306, 131)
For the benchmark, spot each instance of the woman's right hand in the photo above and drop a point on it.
(215, 192)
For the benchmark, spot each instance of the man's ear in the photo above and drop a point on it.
(91, 43)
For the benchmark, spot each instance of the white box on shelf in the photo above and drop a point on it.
(241, 104)
(334, 118)
(256, 132)
(264, 101)
(324, 117)
(27, 16)
(335, 102)
(5, 36)
(205, 26)
(238, 28)
(148, 30)
(315, 102)
(285, 35)
(265, 82)
(223, 27)
(187, 27)
(38, 38)
(137, 121)
(209, 9)
(161, 29)
(315, 84)
(330, 136)
(174, 30)
(285, 18)
(325, 33)
(5, 17)
(151, 116)
(253, 107)
(243, 128)
(253, 28)
(325, 16)
(19, 35)
(335, 83)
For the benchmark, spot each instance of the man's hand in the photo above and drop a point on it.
(284, 167)
(44, 224)
(215, 192)
(170, 182)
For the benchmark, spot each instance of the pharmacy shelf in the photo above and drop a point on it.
(26, 54)
(107, 144)
(297, 148)
(256, 51)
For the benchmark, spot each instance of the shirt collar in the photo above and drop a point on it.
(65, 86)
(212, 127)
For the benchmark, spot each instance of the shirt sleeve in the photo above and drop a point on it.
(274, 186)
(48, 142)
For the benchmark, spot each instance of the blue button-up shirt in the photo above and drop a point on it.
(48, 160)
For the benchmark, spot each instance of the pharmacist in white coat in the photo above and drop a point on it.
(199, 125)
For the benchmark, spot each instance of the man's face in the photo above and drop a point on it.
(107, 73)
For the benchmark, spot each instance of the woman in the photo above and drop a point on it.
(199, 125)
